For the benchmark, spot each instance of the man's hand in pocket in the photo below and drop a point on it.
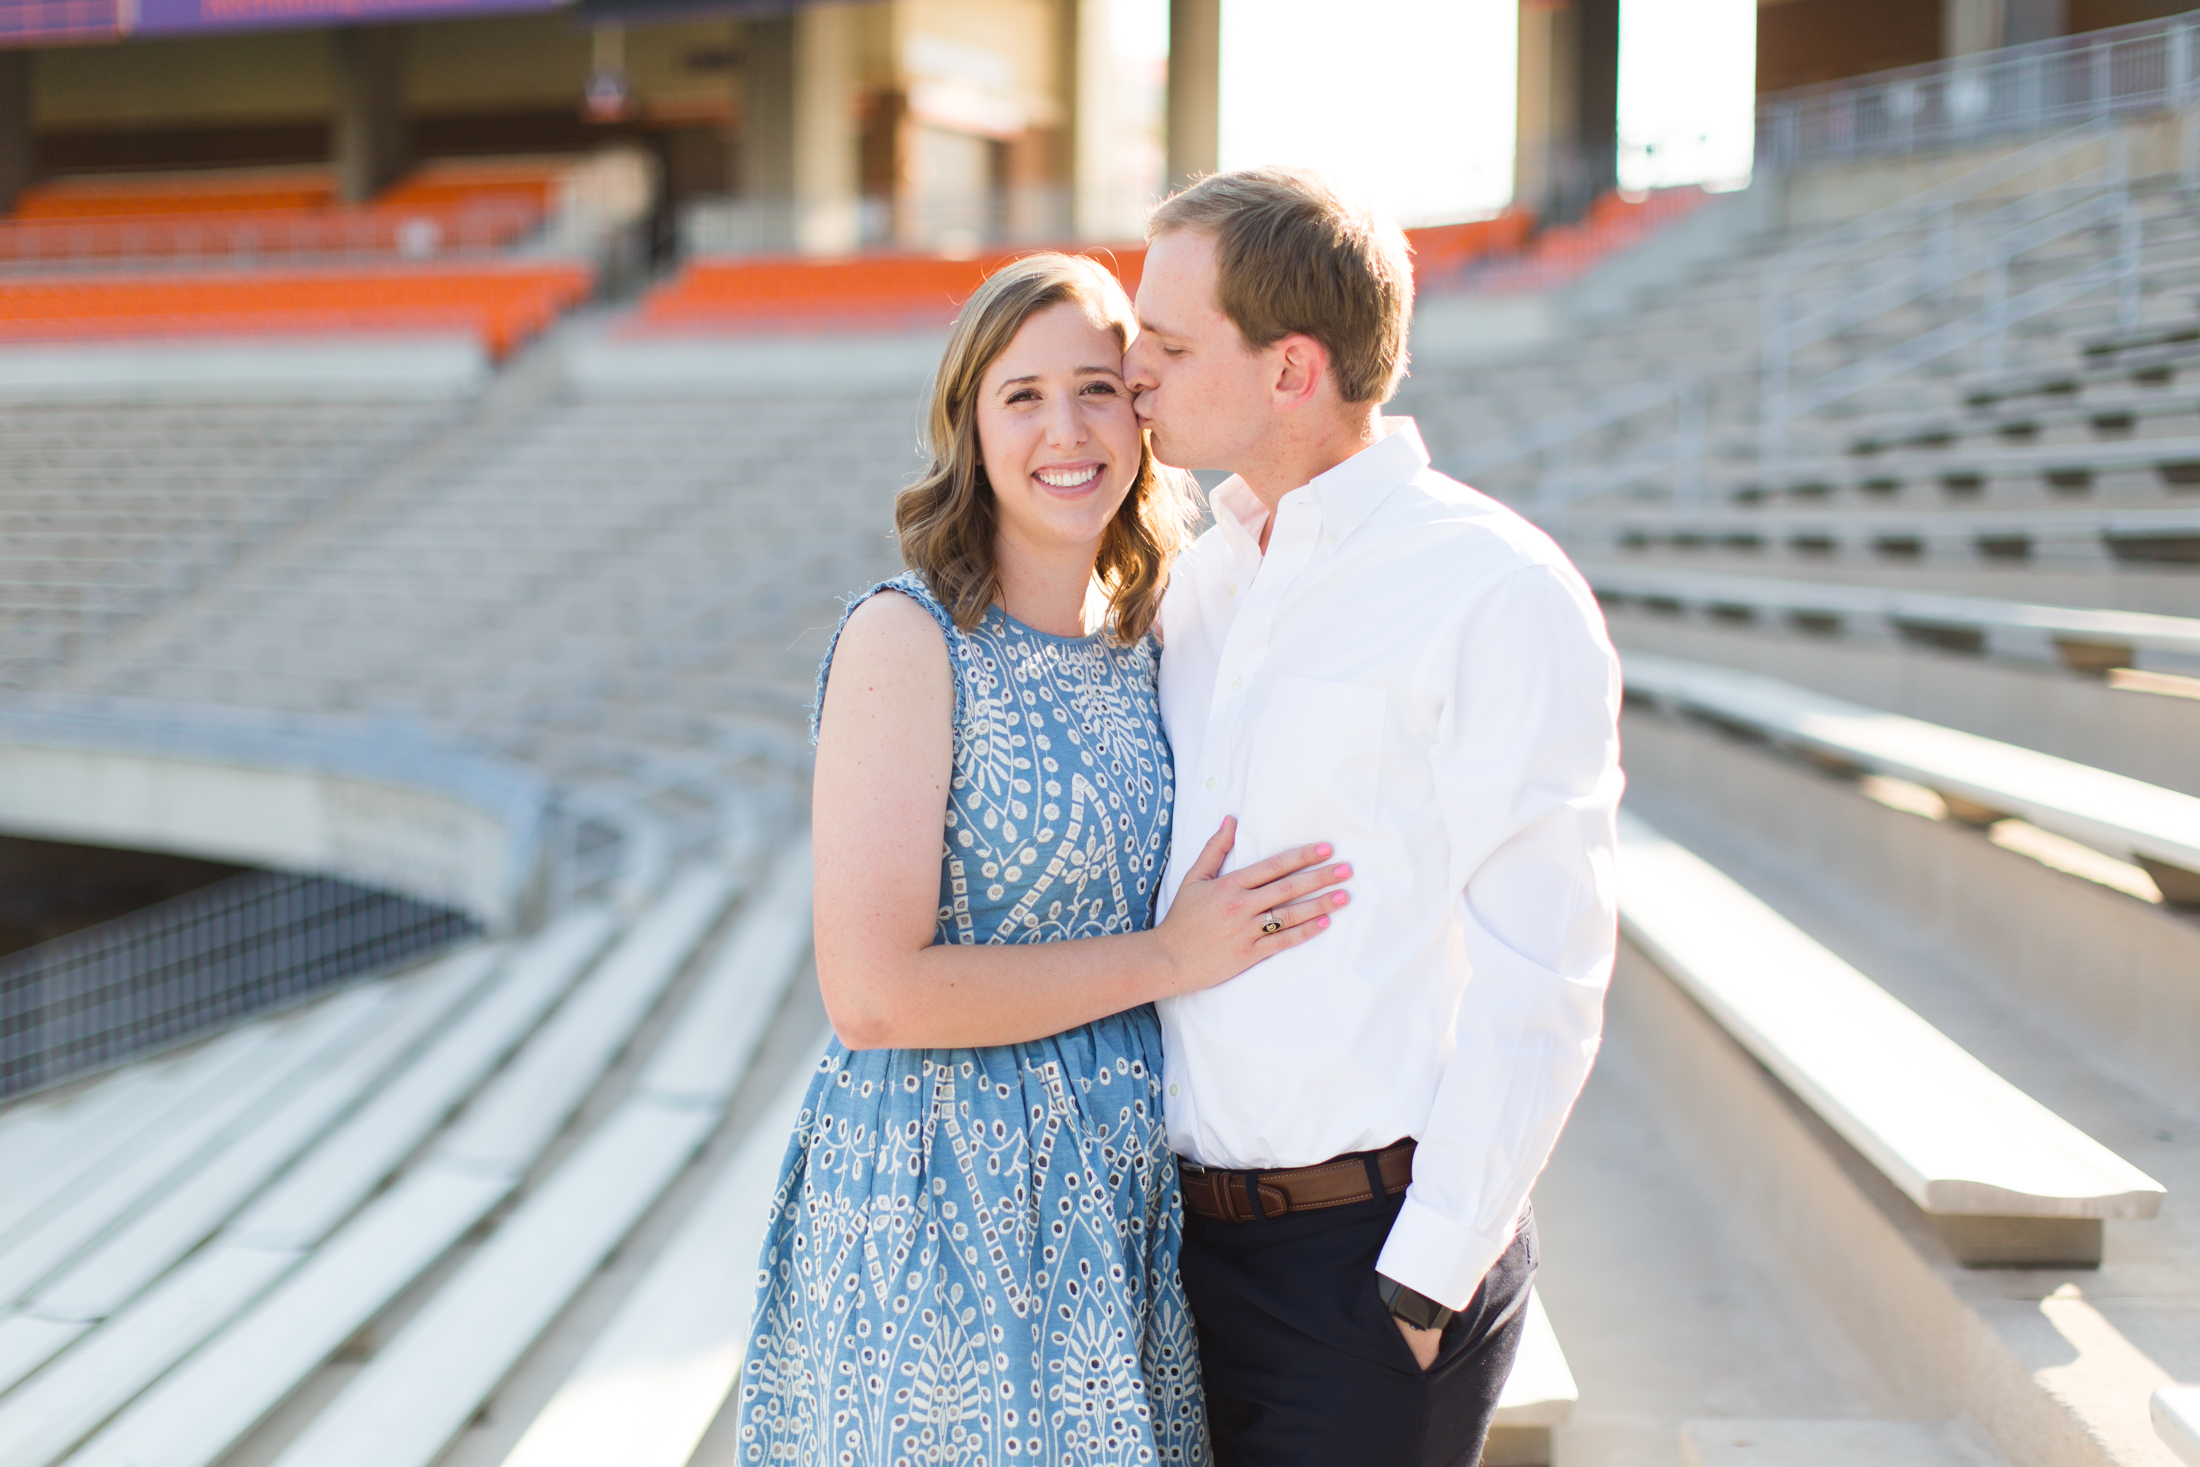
(1422, 1342)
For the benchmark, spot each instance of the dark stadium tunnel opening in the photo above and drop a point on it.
(49, 889)
(115, 954)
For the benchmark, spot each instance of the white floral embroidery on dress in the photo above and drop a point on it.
(972, 1257)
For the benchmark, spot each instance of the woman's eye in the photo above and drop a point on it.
(1023, 394)
(1105, 387)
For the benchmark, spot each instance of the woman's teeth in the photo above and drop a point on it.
(1068, 478)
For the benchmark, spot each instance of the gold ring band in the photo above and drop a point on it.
(1273, 925)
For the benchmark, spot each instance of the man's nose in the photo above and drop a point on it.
(1138, 376)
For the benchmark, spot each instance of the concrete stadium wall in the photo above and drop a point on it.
(2162, 142)
(385, 807)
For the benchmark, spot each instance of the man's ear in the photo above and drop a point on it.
(1301, 369)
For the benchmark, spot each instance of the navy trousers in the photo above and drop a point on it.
(1304, 1367)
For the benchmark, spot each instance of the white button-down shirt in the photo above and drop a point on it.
(1415, 674)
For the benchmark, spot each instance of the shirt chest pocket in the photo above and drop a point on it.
(1319, 746)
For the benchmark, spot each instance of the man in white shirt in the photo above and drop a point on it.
(1365, 652)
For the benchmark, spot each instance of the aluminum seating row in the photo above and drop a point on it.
(1982, 780)
(2004, 1181)
(2083, 640)
(2074, 534)
(2176, 1412)
(194, 1353)
(2067, 467)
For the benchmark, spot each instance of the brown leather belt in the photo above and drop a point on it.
(1230, 1196)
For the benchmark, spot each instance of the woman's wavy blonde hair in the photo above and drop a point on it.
(948, 517)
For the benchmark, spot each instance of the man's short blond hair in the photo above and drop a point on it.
(1293, 258)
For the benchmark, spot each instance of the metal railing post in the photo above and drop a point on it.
(2127, 273)
(1997, 311)
(1688, 457)
(1944, 251)
(1772, 386)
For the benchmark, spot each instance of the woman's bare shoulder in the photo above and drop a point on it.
(891, 622)
(893, 644)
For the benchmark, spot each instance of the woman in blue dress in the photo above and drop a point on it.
(972, 1257)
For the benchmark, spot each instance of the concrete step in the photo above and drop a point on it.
(1770, 1443)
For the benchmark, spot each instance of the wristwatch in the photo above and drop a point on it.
(1416, 1309)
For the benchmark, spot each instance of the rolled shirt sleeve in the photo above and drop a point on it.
(1526, 768)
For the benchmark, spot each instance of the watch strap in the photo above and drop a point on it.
(1412, 1306)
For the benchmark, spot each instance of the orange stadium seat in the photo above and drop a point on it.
(275, 190)
(867, 290)
(1563, 251)
(502, 305)
(445, 207)
(1446, 249)
(912, 290)
(531, 180)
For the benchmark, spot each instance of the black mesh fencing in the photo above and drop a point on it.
(186, 966)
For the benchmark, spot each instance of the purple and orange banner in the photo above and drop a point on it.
(48, 22)
(53, 22)
(183, 17)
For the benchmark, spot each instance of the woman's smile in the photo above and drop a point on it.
(1077, 476)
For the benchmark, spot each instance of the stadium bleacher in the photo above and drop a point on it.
(468, 208)
(713, 295)
(270, 253)
(1899, 1072)
(1875, 651)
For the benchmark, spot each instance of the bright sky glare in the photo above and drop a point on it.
(1687, 92)
(1407, 103)
(1411, 105)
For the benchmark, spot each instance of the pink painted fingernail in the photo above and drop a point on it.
(1341, 898)
(1342, 872)
(1321, 921)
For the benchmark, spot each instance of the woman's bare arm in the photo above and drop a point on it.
(885, 756)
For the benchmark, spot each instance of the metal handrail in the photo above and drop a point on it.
(1867, 288)
(1855, 235)
(1925, 271)
(1921, 268)
(2068, 81)
(1553, 438)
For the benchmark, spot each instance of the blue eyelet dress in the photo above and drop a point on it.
(972, 1257)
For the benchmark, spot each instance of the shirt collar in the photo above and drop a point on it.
(1347, 493)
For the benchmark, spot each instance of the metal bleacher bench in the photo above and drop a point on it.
(2177, 1421)
(2081, 639)
(1982, 780)
(2003, 1180)
(2169, 534)
(181, 1372)
(2176, 460)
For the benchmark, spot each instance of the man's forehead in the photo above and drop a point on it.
(1179, 270)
